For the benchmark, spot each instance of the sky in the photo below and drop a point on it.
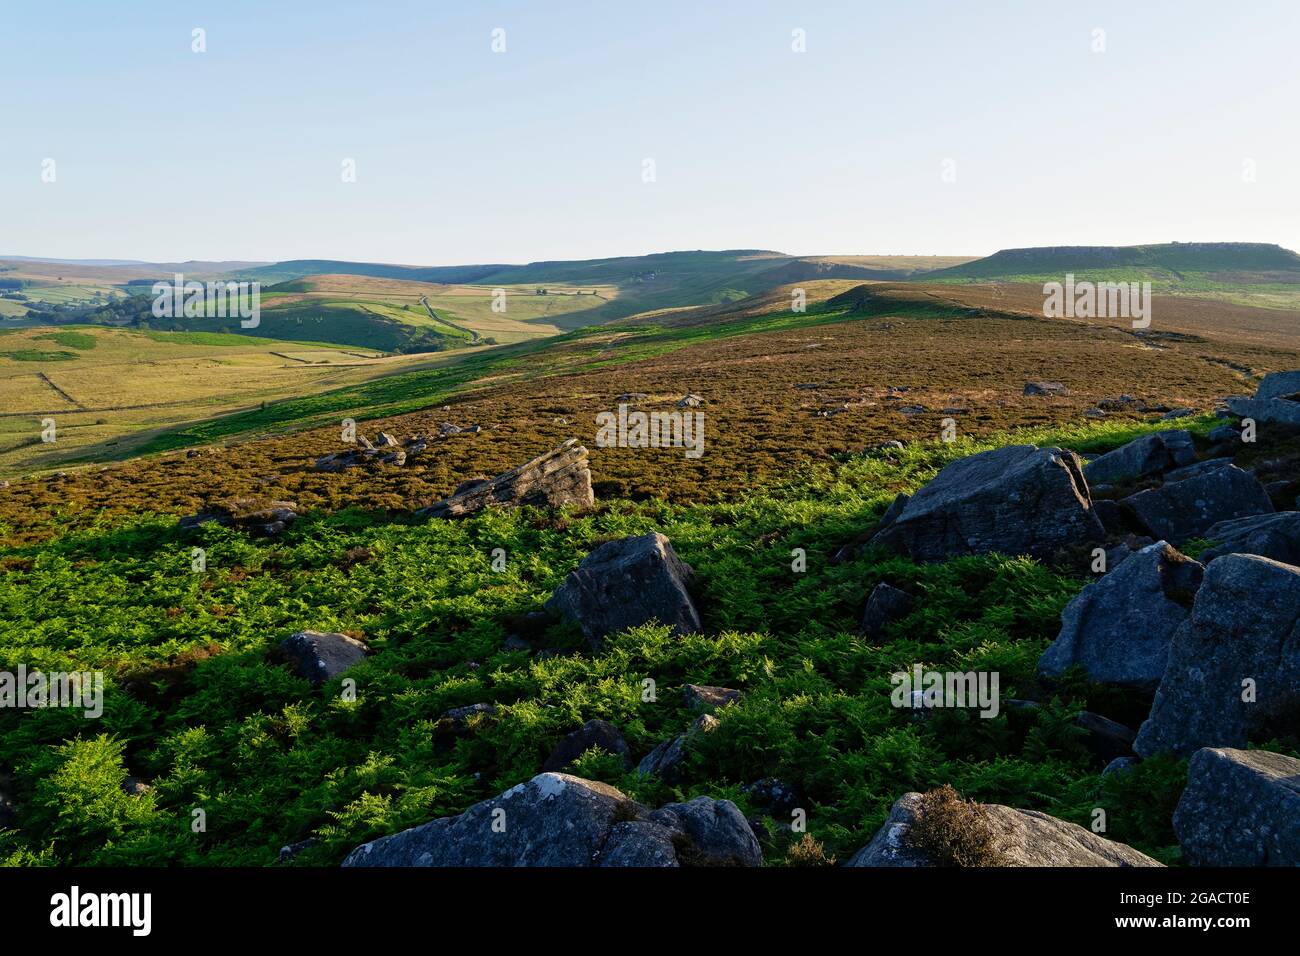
(925, 128)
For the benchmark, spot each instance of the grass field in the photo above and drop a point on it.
(109, 390)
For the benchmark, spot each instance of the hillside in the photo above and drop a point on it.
(202, 707)
(1245, 273)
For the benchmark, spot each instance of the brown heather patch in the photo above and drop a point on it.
(953, 831)
(759, 427)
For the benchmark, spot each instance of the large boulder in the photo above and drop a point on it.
(626, 583)
(1118, 629)
(1014, 838)
(1143, 457)
(559, 477)
(319, 656)
(1234, 666)
(1240, 808)
(1275, 536)
(1015, 500)
(1187, 509)
(559, 820)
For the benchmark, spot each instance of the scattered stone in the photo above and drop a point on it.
(886, 605)
(1177, 413)
(1018, 837)
(1240, 641)
(1046, 388)
(1093, 413)
(560, 820)
(1240, 808)
(1281, 412)
(459, 721)
(690, 401)
(1275, 536)
(447, 428)
(594, 733)
(705, 697)
(558, 478)
(627, 583)
(290, 852)
(1119, 628)
(629, 397)
(135, 787)
(666, 759)
(387, 441)
(1014, 500)
(891, 445)
(320, 656)
(1224, 433)
(1119, 766)
(775, 796)
(255, 515)
(910, 409)
(1107, 740)
(1187, 509)
(1148, 455)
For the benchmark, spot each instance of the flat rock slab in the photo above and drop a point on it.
(1241, 640)
(627, 583)
(1187, 509)
(1024, 837)
(1240, 808)
(1014, 500)
(1119, 628)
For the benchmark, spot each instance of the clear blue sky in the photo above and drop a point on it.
(464, 155)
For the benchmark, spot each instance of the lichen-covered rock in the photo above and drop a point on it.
(1019, 837)
(1240, 808)
(666, 759)
(627, 583)
(1234, 666)
(559, 820)
(1182, 510)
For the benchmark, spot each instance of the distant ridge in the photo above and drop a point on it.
(1170, 257)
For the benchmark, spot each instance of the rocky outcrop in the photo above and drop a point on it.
(1149, 455)
(558, 478)
(1119, 628)
(627, 583)
(386, 450)
(594, 733)
(1275, 536)
(1279, 385)
(1234, 666)
(1182, 510)
(886, 605)
(1017, 838)
(319, 656)
(259, 516)
(1240, 808)
(1015, 500)
(1281, 412)
(559, 820)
